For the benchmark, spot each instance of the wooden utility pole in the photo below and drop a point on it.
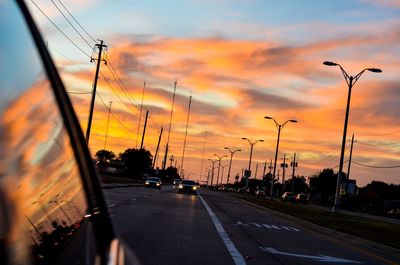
(140, 114)
(169, 128)
(158, 146)
(184, 141)
(144, 129)
(100, 47)
(293, 165)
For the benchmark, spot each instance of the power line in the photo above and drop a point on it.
(69, 22)
(381, 134)
(121, 85)
(387, 144)
(360, 164)
(115, 117)
(112, 89)
(76, 21)
(79, 48)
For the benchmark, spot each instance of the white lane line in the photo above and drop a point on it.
(236, 256)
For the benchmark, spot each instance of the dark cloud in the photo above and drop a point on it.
(262, 100)
(381, 105)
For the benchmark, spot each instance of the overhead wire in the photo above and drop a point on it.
(66, 9)
(113, 72)
(69, 22)
(382, 167)
(112, 113)
(62, 32)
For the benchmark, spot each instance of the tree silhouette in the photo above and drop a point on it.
(137, 162)
(104, 155)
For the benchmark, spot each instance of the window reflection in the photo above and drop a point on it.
(39, 178)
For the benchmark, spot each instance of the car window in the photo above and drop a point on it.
(42, 201)
(189, 182)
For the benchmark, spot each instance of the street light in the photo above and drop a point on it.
(222, 175)
(212, 172)
(230, 163)
(351, 81)
(219, 165)
(251, 154)
(279, 127)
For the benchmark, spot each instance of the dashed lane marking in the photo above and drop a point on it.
(233, 251)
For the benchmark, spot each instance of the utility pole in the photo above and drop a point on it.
(144, 129)
(140, 114)
(348, 168)
(158, 146)
(100, 47)
(172, 160)
(169, 128)
(108, 122)
(270, 167)
(284, 166)
(202, 159)
(264, 169)
(255, 175)
(293, 165)
(184, 141)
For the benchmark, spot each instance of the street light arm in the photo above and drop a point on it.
(355, 78)
(346, 75)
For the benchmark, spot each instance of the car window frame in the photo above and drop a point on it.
(97, 207)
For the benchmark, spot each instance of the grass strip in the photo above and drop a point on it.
(373, 230)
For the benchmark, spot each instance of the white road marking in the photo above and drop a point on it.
(236, 256)
(321, 258)
(112, 205)
(276, 227)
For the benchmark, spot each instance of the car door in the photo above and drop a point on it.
(52, 209)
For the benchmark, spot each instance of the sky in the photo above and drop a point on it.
(240, 61)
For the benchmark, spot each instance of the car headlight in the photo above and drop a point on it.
(147, 183)
(194, 188)
(180, 186)
(158, 184)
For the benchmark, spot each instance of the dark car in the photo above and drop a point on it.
(52, 209)
(301, 197)
(288, 196)
(176, 181)
(188, 186)
(153, 182)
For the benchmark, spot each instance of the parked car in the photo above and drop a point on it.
(288, 196)
(153, 182)
(301, 197)
(187, 186)
(52, 208)
(260, 193)
(240, 190)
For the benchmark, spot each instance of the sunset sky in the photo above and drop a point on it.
(240, 61)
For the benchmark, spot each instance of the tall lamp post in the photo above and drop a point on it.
(351, 81)
(222, 175)
(251, 154)
(279, 127)
(230, 162)
(219, 165)
(212, 172)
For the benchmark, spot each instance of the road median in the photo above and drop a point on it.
(374, 230)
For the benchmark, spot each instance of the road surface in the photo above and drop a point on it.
(164, 227)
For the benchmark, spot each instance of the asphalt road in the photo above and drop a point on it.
(164, 227)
